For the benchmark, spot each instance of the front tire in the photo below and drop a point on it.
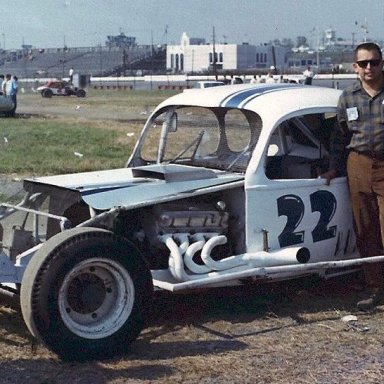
(47, 93)
(84, 294)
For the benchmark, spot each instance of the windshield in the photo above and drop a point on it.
(218, 138)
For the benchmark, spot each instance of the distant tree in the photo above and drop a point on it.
(287, 43)
(275, 42)
(301, 41)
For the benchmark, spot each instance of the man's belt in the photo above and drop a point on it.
(371, 154)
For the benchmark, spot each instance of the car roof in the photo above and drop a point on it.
(278, 99)
(210, 82)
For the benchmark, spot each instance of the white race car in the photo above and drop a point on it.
(222, 188)
(60, 88)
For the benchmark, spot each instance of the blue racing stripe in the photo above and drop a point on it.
(234, 100)
(234, 96)
(272, 89)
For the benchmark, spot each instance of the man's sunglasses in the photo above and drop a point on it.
(372, 63)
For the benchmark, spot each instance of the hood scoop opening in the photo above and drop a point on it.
(173, 172)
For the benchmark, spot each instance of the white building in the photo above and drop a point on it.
(195, 55)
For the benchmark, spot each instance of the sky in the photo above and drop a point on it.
(83, 23)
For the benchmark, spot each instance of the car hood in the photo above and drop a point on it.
(140, 186)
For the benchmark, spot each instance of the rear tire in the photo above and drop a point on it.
(85, 293)
(80, 93)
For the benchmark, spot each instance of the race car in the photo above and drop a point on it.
(222, 188)
(60, 88)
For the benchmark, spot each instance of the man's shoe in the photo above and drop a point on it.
(370, 302)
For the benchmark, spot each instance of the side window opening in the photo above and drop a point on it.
(302, 147)
(242, 131)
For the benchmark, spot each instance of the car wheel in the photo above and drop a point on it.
(85, 293)
(80, 93)
(47, 93)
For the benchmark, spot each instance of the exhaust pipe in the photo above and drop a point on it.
(9, 298)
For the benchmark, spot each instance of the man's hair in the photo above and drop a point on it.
(368, 47)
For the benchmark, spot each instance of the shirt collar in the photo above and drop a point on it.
(357, 87)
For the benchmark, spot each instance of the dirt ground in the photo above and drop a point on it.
(276, 333)
(282, 333)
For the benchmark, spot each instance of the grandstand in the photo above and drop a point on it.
(94, 61)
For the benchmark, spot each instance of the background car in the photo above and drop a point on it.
(60, 88)
(208, 84)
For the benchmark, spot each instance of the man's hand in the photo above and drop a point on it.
(331, 174)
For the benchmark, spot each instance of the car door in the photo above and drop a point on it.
(288, 205)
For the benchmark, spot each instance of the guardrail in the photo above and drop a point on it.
(180, 82)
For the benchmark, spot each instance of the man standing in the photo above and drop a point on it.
(1, 84)
(13, 94)
(308, 76)
(10, 88)
(71, 75)
(358, 143)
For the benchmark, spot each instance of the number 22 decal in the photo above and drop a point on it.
(293, 207)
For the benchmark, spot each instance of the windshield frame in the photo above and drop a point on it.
(237, 133)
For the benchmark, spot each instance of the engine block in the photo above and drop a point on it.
(190, 219)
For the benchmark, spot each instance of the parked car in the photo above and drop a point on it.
(208, 84)
(6, 104)
(60, 88)
(222, 188)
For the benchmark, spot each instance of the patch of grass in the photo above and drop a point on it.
(70, 134)
(40, 146)
(124, 98)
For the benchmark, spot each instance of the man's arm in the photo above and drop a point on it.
(340, 138)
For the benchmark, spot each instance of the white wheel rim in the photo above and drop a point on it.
(96, 298)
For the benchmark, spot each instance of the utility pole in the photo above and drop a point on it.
(125, 61)
(317, 49)
(152, 53)
(364, 28)
(101, 63)
(274, 60)
(64, 51)
(193, 59)
(214, 53)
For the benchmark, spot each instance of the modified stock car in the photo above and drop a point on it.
(60, 88)
(222, 188)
